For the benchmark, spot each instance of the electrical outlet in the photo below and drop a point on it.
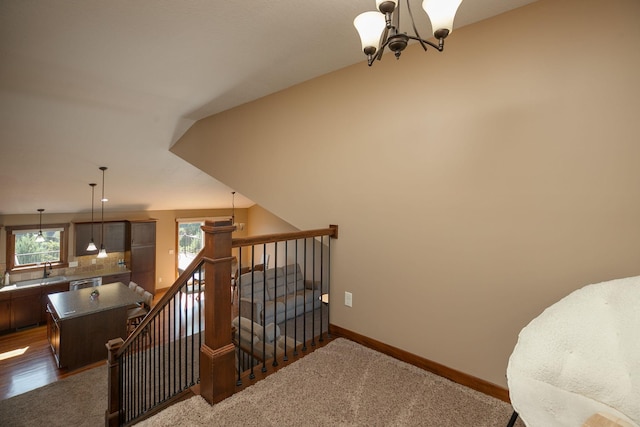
(348, 299)
(93, 261)
(73, 264)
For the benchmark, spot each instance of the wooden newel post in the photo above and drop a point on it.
(112, 414)
(217, 354)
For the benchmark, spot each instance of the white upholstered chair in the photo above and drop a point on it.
(579, 361)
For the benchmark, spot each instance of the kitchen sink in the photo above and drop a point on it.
(47, 281)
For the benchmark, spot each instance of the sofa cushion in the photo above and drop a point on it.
(243, 324)
(273, 311)
(257, 277)
(294, 277)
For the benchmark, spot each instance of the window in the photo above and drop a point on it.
(23, 252)
(190, 241)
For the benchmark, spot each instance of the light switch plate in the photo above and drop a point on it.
(348, 299)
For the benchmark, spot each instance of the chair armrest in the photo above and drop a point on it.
(249, 310)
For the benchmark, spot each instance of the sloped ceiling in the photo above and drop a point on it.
(90, 83)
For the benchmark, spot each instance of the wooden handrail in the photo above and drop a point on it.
(332, 231)
(166, 297)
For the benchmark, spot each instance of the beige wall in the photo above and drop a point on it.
(261, 221)
(473, 188)
(165, 234)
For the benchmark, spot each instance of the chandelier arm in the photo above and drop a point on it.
(439, 47)
(415, 30)
(385, 37)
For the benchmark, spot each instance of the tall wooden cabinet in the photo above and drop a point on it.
(140, 253)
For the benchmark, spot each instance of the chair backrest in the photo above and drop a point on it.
(148, 299)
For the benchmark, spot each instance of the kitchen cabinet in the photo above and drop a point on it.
(114, 236)
(120, 277)
(140, 253)
(25, 307)
(5, 311)
(44, 297)
(53, 332)
(78, 327)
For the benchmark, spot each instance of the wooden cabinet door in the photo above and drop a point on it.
(122, 277)
(44, 298)
(141, 254)
(143, 267)
(53, 335)
(114, 236)
(25, 308)
(83, 237)
(5, 311)
(143, 233)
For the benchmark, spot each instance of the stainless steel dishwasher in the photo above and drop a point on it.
(85, 283)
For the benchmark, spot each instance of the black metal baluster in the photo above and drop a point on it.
(264, 307)
(295, 308)
(304, 293)
(321, 339)
(286, 290)
(313, 303)
(275, 294)
(237, 289)
(252, 375)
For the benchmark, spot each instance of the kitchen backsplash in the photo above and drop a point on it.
(85, 265)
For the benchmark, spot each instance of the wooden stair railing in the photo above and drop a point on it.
(216, 351)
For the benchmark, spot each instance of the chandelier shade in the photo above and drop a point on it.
(370, 26)
(441, 14)
(381, 29)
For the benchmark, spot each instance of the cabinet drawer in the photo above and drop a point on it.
(120, 277)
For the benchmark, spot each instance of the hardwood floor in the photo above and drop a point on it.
(27, 361)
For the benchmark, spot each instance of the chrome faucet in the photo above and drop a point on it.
(47, 273)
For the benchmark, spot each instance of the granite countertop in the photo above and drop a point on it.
(55, 280)
(79, 303)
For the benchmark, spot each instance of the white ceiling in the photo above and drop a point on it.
(89, 83)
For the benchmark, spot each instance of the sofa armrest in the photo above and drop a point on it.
(249, 310)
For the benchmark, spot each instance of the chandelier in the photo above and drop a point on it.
(380, 29)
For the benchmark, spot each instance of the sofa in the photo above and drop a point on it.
(262, 343)
(277, 294)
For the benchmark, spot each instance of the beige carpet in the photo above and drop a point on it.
(341, 384)
(345, 384)
(79, 400)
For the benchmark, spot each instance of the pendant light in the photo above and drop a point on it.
(233, 208)
(103, 251)
(238, 226)
(40, 237)
(92, 246)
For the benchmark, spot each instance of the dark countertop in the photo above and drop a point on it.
(79, 303)
(55, 280)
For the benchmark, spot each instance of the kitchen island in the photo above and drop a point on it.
(79, 326)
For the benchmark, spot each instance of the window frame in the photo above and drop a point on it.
(179, 222)
(11, 246)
